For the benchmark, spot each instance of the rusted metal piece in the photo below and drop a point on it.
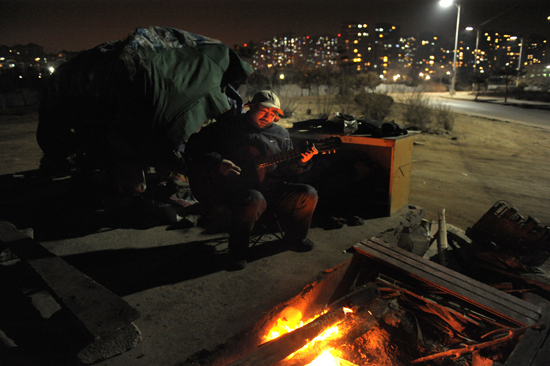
(475, 347)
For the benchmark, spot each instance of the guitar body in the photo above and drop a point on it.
(211, 188)
(251, 176)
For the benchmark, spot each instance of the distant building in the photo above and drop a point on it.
(31, 57)
(293, 51)
(499, 50)
(433, 59)
(357, 50)
(362, 48)
(536, 59)
(386, 48)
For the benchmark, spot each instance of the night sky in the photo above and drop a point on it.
(75, 25)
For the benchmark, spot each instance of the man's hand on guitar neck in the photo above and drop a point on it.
(308, 154)
(228, 168)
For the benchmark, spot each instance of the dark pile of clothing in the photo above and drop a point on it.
(339, 123)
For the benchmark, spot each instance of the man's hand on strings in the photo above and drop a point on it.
(228, 168)
(308, 154)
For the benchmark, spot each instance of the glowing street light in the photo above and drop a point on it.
(477, 46)
(447, 3)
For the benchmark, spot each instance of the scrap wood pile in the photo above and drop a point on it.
(503, 248)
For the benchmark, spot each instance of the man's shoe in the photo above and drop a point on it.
(303, 246)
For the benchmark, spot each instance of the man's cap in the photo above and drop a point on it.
(268, 99)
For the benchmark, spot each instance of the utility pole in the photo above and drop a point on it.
(519, 62)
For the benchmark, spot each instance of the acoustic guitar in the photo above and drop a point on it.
(207, 186)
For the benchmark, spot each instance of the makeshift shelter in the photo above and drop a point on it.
(141, 97)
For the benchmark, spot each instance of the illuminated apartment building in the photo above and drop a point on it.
(536, 58)
(291, 51)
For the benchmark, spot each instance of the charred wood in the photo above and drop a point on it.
(271, 352)
(278, 349)
(512, 333)
(353, 327)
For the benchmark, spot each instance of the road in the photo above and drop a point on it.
(512, 113)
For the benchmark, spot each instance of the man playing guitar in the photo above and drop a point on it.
(225, 151)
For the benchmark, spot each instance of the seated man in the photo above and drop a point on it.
(225, 170)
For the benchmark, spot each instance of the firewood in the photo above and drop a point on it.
(354, 326)
(358, 298)
(430, 303)
(456, 353)
(278, 349)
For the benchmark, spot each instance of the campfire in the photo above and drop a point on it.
(386, 307)
(386, 332)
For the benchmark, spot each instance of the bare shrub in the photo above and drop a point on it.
(325, 105)
(289, 104)
(421, 114)
(444, 117)
(376, 106)
(416, 112)
(345, 104)
(290, 100)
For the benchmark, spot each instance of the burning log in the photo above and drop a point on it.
(353, 327)
(278, 349)
(274, 351)
(476, 347)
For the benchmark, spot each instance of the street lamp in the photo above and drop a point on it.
(477, 47)
(446, 3)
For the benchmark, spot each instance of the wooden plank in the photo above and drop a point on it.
(533, 349)
(450, 275)
(401, 173)
(543, 356)
(454, 281)
(99, 311)
(465, 288)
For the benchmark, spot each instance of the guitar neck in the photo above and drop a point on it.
(265, 161)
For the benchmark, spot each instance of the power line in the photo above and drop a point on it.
(505, 11)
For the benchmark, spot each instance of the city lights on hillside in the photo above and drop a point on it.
(382, 50)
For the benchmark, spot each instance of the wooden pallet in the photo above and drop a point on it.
(533, 349)
(98, 311)
(446, 280)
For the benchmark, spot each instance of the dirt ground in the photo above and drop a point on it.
(183, 311)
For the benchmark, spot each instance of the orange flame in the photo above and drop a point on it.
(330, 357)
(291, 319)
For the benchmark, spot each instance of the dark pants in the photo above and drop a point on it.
(296, 202)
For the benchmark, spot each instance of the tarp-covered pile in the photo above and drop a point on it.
(140, 97)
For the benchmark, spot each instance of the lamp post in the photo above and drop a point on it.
(477, 47)
(519, 61)
(446, 3)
